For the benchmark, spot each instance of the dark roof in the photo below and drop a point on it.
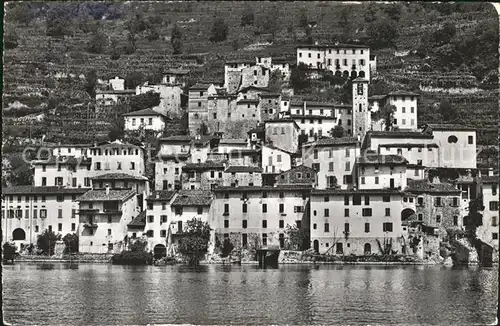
(299, 169)
(409, 145)
(449, 127)
(123, 91)
(22, 190)
(312, 116)
(241, 61)
(283, 121)
(248, 101)
(415, 166)
(256, 130)
(263, 89)
(139, 221)
(177, 138)
(423, 186)
(179, 156)
(233, 141)
(407, 93)
(354, 192)
(376, 97)
(199, 86)
(243, 151)
(270, 145)
(265, 188)
(193, 198)
(375, 159)
(117, 144)
(161, 195)
(68, 145)
(326, 141)
(100, 195)
(203, 166)
(118, 176)
(243, 169)
(177, 72)
(334, 46)
(400, 134)
(63, 160)
(489, 179)
(269, 95)
(145, 112)
(360, 80)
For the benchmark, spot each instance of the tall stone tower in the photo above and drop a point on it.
(361, 118)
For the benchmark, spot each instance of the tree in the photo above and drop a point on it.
(297, 239)
(303, 19)
(382, 33)
(387, 114)
(138, 245)
(144, 101)
(58, 19)
(115, 133)
(133, 79)
(448, 112)
(219, 30)
(20, 173)
(176, 39)
(153, 34)
(235, 45)
(194, 241)
(115, 50)
(47, 242)
(91, 83)
(131, 41)
(137, 24)
(268, 23)
(370, 14)
(227, 248)
(10, 40)
(345, 23)
(299, 77)
(97, 43)
(248, 16)
(275, 81)
(338, 131)
(71, 242)
(20, 12)
(9, 251)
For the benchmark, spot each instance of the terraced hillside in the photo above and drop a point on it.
(36, 64)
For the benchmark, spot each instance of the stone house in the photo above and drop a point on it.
(171, 98)
(174, 153)
(269, 106)
(147, 119)
(198, 105)
(283, 134)
(242, 176)
(175, 77)
(375, 171)
(204, 176)
(299, 175)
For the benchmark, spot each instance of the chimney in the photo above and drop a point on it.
(107, 189)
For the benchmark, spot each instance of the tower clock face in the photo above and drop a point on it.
(360, 89)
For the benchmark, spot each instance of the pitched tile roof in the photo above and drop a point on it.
(284, 187)
(198, 86)
(376, 97)
(139, 221)
(409, 145)
(376, 159)
(176, 157)
(63, 160)
(123, 91)
(399, 93)
(233, 141)
(177, 71)
(177, 138)
(327, 141)
(247, 101)
(355, 192)
(203, 166)
(145, 112)
(28, 189)
(100, 195)
(162, 195)
(265, 95)
(449, 127)
(424, 186)
(489, 179)
(243, 169)
(193, 198)
(118, 176)
(334, 46)
(400, 134)
(117, 144)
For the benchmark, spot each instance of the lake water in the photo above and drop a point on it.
(94, 294)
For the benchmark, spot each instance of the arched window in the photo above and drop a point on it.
(368, 249)
(354, 74)
(361, 74)
(18, 234)
(346, 74)
(452, 139)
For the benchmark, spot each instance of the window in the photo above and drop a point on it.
(367, 200)
(327, 212)
(494, 235)
(282, 208)
(420, 201)
(367, 227)
(387, 212)
(438, 218)
(452, 139)
(243, 224)
(244, 208)
(493, 190)
(282, 195)
(493, 205)
(437, 201)
(327, 227)
(494, 221)
(264, 235)
(132, 165)
(59, 213)
(367, 212)
(420, 216)
(346, 228)
(454, 201)
(356, 199)
(97, 165)
(178, 211)
(339, 248)
(226, 223)
(455, 220)
(315, 154)
(471, 140)
(281, 224)
(44, 181)
(200, 210)
(348, 166)
(59, 227)
(316, 167)
(278, 158)
(264, 224)
(330, 166)
(60, 198)
(346, 212)
(43, 213)
(264, 208)
(298, 209)
(387, 227)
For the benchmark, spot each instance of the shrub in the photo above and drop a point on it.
(46, 242)
(153, 35)
(9, 251)
(194, 241)
(71, 242)
(219, 30)
(133, 257)
(138, 245)
(176, 39)
(10, 41)
(248, 16)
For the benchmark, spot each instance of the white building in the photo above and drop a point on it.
(488, 232)
(275, 160)
(405, 115)
(347, 60)
(27, 211)
(333, 159)
(381, 172)
(147, 119)
(158, 217)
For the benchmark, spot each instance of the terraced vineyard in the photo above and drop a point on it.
(32, 68)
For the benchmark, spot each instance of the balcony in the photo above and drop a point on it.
(90, 225)
(88, 210)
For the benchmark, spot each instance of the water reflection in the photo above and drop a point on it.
(232, 294)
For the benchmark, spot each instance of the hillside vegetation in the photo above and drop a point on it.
(57, 53)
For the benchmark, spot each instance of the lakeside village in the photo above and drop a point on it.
(262, 172)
